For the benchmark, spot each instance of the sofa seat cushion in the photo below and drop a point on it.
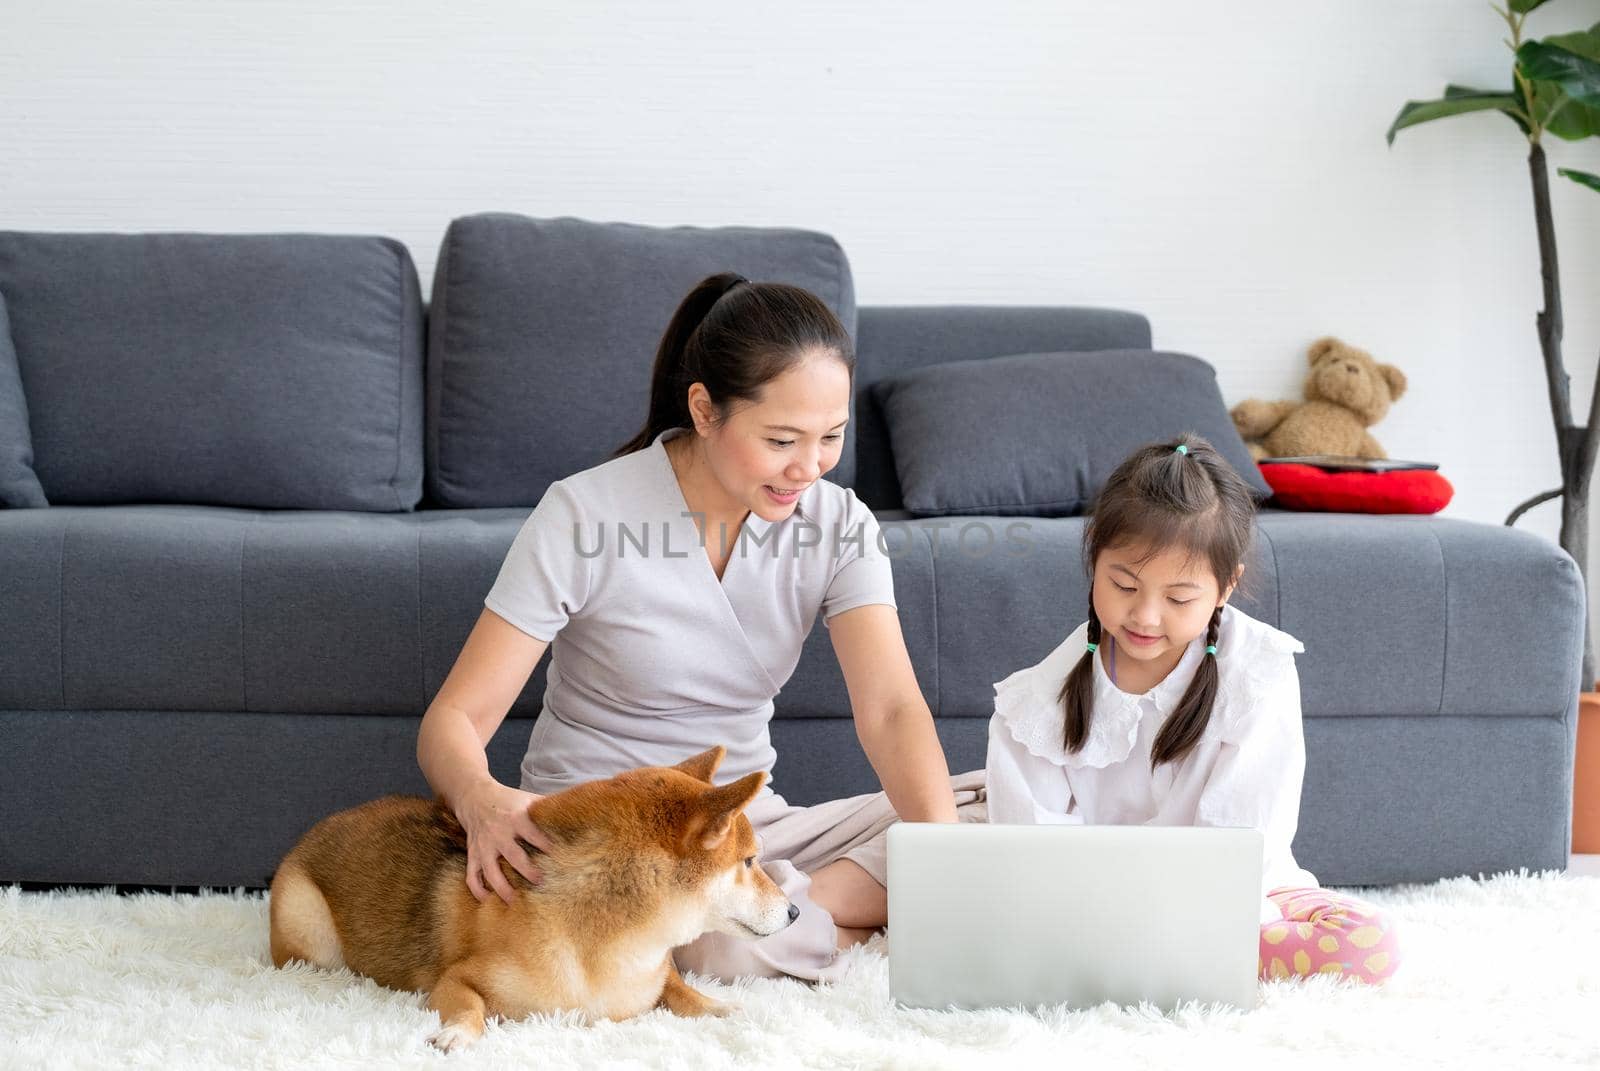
(267, 371)
(144, 608)
(1039, 434)
(150, 608)
(1402, 616)
(542, 334)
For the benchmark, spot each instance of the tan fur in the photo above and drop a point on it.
(302, 924)
(640, 864)
(1346, 392)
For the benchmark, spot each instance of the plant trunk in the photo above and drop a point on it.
(1575, 445)
(1575, 541)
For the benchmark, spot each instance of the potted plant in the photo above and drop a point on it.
(1555, 89)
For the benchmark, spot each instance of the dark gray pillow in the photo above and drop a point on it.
(542, 333)
(263, 371)
(1039, 433)
(19, 487)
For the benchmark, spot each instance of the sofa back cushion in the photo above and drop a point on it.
(542, 333)
(1039, 434)
(898, 339)
(264, 371)
(19, 487)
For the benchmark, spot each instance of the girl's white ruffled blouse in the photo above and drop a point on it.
(1246, 769)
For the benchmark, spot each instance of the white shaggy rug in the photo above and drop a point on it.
(1503, 973)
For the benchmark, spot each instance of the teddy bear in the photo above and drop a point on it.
(1346, 393)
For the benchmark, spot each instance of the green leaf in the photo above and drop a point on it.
(1582, 178)
(1577, 75)
(1513, 113)
(1522, 7)
(1570, 120)
(1585, 43)
(1552, 107)
(1458, 102)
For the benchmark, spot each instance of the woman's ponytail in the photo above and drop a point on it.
(675, 367)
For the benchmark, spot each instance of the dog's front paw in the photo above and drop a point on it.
(451, 1037)
(719, 1009)
(693, 1004)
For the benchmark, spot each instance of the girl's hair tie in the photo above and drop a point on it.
(1182, 449)
(1211, 649)
(1093, 647)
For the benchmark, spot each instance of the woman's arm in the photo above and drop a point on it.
(892, 718)
(490, 672)
(488, 675)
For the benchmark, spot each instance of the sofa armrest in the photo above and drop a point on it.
(1425, 615)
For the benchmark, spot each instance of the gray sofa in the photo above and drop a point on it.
(279, 488)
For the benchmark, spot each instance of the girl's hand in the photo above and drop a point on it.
(495, 817)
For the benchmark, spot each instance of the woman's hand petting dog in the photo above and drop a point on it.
(495, 817)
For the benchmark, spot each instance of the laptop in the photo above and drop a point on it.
(987, 916)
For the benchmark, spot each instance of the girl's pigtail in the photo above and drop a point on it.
(1077, 694)
(1184, 727)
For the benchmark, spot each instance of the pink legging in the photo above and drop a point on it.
(1324, 932)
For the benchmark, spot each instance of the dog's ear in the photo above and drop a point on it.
(703, 765)
(713, 813)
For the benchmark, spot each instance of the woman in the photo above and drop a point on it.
(675, 585)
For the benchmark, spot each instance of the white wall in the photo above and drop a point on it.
(1221, 167)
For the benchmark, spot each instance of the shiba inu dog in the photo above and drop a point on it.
(640, 863)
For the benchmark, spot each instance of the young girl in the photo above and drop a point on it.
(1170, 707)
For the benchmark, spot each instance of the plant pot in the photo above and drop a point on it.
(1586, 778)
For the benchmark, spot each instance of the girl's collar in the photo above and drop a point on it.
(1168, 691)
(1028, 703)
